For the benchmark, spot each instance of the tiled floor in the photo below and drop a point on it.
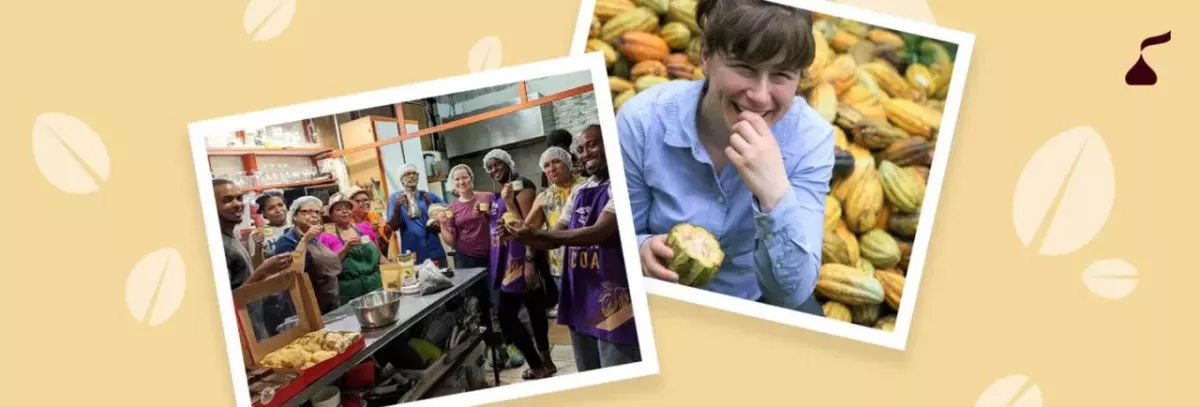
(560, 352)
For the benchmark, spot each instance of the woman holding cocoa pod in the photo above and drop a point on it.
(736, 153)
(514, 271)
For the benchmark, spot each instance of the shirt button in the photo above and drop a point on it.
(769, 236)
(720, 199)
(763, 222)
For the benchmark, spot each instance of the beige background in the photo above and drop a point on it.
(138, 71)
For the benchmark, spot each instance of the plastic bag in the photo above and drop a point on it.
(431, 278)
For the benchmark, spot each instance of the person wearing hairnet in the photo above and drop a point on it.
(556, 164)
(560, 138)
(408, 213)
(595, 299)
(360, 259)
(321, 263)
(514, 269)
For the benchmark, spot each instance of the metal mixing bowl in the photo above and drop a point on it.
(377, 309)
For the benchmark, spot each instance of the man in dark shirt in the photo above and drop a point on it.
(237, 259)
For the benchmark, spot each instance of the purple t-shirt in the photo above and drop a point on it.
(470, 226)
(507, 258)
(594, 298)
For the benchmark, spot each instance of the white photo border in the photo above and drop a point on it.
(898, 338)
(593, 63)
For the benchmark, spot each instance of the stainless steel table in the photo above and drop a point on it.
(413, 308)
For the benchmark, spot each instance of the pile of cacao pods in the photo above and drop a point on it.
(884, 93)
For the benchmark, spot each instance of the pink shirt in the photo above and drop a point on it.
(334, 243)
(473, 238)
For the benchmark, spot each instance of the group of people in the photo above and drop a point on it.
(556, 254)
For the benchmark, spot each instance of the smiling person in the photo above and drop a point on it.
(737, 153)
(594, 299)
(557, 165)
(360, 260)
(408, 213)
(272, 208)
(230, 206)
(321, 263)
(362, 213)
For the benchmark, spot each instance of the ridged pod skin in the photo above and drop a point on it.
(914, 118)
(887, 323)
(622, 98)
(855, 28)
(893, 286)
(594, 32)
(863, 52)
(641, 46)
(862, 164)
(849, 285)
(857, 94)
(607, 9)
(637, 19)
(920, 78)
(905, 254)
(677, 35)
(823, 99)
(649, 67)
(839, 138)
(610, 54)
(890, 80)
(919, 171)
(658, 6)
(839, 246)
(679, 66)
(879, 248)
(909, 151)
(902, 188)
(841, 41)
(618, 85)
(903, 224)
(693, 50)
(837, 311)
(847, 117)
(881, 220)
(884, 37)
(698, 255)
(863, 202)
(841, 73)
(875, 134)
(833, 212)
(684, 11)
(865, 315)
(649, 81)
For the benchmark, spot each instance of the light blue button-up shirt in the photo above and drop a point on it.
(770, 257)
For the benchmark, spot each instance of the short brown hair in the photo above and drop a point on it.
(757, 31)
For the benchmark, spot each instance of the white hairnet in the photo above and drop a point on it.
(555, 153)
(273, 192)
(354, 190)
(499, 155)
(299, 202)
(335, 199)
(407, 168)
(470, 174)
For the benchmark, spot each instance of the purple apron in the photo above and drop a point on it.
(594, 298)
(507, 258)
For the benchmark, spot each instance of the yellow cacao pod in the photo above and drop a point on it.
(693, 50)
(679, 66)
(684, 11)
(905, 255)
(607, 9)
(833, 212)
(651, 67)
(842, 41)
(942, 63)
(822, 55)
(879, 248)
(920, 172)
(884, 38)
(839, 138)
(658, 6)
(909, 151)
(893, 286)
(622, 98)
(839, 246)
(649, 81)
(891, 81)
(867, 81)
(637, 19)
(909, 116)
(903, 224)
(619, 85)
(862, 164)
(901, 188)
(920, 78)
(887, 323)
(865, 266)
(862, 52)
(865, 315)
(824, 100)
(881, 221)
(848, 285)
(877, 134)
(855, 28)
(594, 32)
(677, 35)
(856, 94)
(837, 311)
(841, 72)
(642, 46)
(610, 54)
(863, 201)
(871, 109)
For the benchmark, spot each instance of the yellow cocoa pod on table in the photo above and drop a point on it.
(890, 80)
(610, 54)
(839, 138)
(684, 12)
(841, 72)
(863, 201)
(847, 117)
(914, 118)
(848, 285)
(637, 19)
(833, 212)
(824, 100)
(619, 85)
(658, 6)
(855, 28)
(866, 81)
(893, 286)
(877, 134)
(842, 41)
(909, 151)
(856, 94)
(839, 245)
(642, 46)
(862, 164)
(679, 66)
(884, 37)
(677, 35)
(879, 248)
(622, 98)
(903, 224)
(865, 266)
(871, 109)
(887, 323)
(607, 9)
(865, 315)
(920, 78)
(901, 188)
(650, 67)
(649, 81)
(693, 50)
(837, 311)
(822, 54)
